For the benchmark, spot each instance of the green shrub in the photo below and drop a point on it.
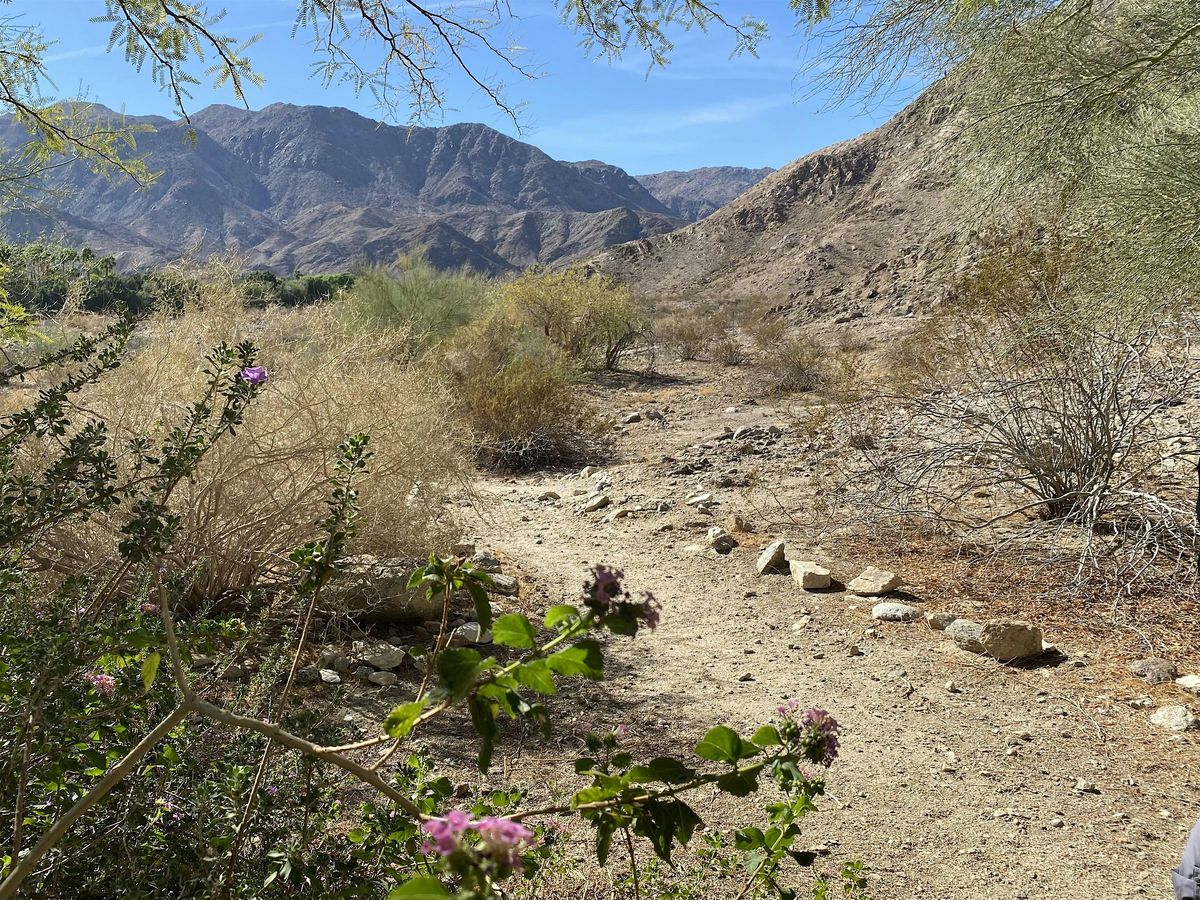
(519, 397)
(412, 293)
(594, 320)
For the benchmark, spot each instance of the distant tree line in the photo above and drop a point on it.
(46, 277)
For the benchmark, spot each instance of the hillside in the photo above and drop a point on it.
(693, 194)
(844, 232)
(317, 188)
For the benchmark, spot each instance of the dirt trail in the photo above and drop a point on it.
(963, 793)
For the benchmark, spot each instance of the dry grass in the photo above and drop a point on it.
(259, 493)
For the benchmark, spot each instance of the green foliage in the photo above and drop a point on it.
(591, 319)
(411, 293)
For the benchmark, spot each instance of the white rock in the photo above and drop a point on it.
(503, 584)
(330, 677)
(631, 418)
(619, 513)
(379, 656)
(773, 559)
(383, 679)
(895, 612)
(1190, 683)
(700, 500)
(874, 583)
(809, 575)
(940, 621)
(1174, 718)
(469, 633)
(599, 501)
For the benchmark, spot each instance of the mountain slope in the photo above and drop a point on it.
(691, 195)
(318, 188)
(851, 230)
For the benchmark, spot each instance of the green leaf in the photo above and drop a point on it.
(766, 736)
(400, 721)
(150, 668)
(458, 667)
(739, 784)
(561, 613)
(585, 658)
(665, 769)
(483, 606)
(513, 630)
(423, 888)
(483, 717)
(536, 676)
(721, 744)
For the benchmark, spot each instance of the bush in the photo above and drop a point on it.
(793, 363)
(411, 293)
(260, 491)
(519, 397)
(691, 335)
(592, 319)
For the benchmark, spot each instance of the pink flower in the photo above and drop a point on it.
(255, 375)
(823, 729)
(503, 839)
(445, 833)
(102, 684)
(150, 608)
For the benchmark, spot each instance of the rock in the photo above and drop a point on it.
(1056, 823)
(380, 655)
(329, 676)
(965, 633)
(854, 650)
(773, 559)
(618, 513)
(1190, 683)
(463, 548)
(700, 500)
(383, 679)
(720, 540)
(1142, 702)
(469, 633)
(375, 589)
(895, 612)
(597, 502)
(746, 431)
(548, 496)
(342, 664)
(809, 575)
(740, 523)
(654, 415)
(874, 583)
(1174, 718)
(631, 418)
(952, 688)
(503, 584)
(486, 561)
(307, 675)
(1154, 670)
(363, 673)
(199, 661)
(1083, 786)
(1011, 640)
(940, 621)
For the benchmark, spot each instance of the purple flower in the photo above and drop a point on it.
(254, 375)
(822, 730)
(445, 833)
(103, 684)
(788, 708)
(503, 839)
(150, 608)
(605, 595)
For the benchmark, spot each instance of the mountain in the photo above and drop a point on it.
(857, 229)
(315, 188)
(691, 195)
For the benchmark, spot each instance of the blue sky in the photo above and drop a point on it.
(705, 109)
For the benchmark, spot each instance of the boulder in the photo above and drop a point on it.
(895, 612)
(1174, 718)
(1001, 640)
(1154, 670)
(721, 540)
(874, 583)
(809, 575)
(773, 559)
(940, 621)
(375, 589)
(378, 655)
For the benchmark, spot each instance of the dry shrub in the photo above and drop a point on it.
(792, 363)
(691, 334)
(519, 396)
(259, 493)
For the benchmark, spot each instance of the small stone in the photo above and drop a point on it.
(1003, 641)
(895, 612)
(773, 559)
(619, 513)
(503, 584)
(547, 496)
(809, 575)
(952, 688)
(362, 673)
(486, 561)
(631, 418)
(1057, 823)
(854, 650)
(598, 502)
(329, 676)
(740, 523)
(342, 664)
(965, 633)
(940, 621)
(720, 540)
(380, 656)
(700, 500)
(469, 633)
(1174, 718)
(1190, 683)
(874, 583)
(383, 679)
(1142, 702)
(1083, 786)
(746, 677)
(1154, 670)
